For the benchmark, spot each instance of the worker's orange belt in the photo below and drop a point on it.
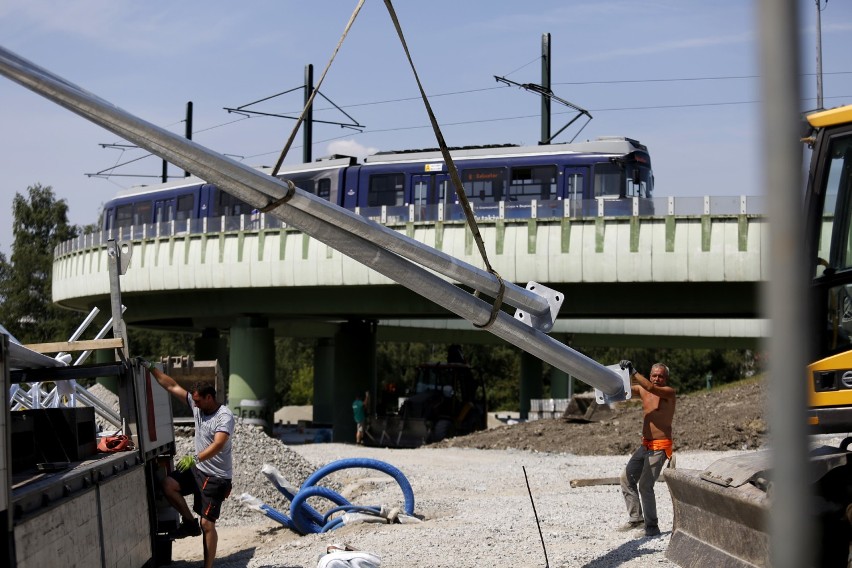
(654, 445)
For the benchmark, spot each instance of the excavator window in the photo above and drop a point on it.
(834, 247)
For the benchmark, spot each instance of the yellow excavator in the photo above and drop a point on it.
(721, 513)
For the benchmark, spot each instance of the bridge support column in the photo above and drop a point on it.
(561, 384)
(323, 400)
(532, 385)
(354, 372)
(251, 390)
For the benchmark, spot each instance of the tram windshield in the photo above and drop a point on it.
(630, 176)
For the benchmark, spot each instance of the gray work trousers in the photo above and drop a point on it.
(637, 484)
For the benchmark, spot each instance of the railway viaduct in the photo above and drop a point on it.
(686, 276)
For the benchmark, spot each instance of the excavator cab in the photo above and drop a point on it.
(444, 399)
(449, 398)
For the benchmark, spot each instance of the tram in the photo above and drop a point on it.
(501, 180)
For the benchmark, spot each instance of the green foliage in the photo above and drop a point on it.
(688, 368)
(302, 387)
(27, 310)
(294, 371)
(499, 367)
(91, 228)
(153, 345)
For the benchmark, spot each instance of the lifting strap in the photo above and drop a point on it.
(454, 175)
(309, 103)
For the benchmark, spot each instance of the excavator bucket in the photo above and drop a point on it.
(721, 513)
(716, 525)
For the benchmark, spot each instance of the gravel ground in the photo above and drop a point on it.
(475, 507)
(474, 501)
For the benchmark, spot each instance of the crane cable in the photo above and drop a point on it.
(454, 176)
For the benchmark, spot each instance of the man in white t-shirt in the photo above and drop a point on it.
(207, 473)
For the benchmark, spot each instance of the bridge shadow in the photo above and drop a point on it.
(630, 549)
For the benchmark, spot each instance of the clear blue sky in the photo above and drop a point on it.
(678, 75)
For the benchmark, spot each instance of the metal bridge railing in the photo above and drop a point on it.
(398, 215)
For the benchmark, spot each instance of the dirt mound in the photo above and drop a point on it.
(730, 417)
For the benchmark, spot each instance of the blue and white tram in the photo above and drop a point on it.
(500, 181)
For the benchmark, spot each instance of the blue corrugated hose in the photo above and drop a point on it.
(306, 520)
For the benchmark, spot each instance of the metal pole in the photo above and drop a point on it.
(308, 123)
(83, 326)
(790, 528)
(819, 54)
(257, 189)
(202, 159)
(188, 130)
(100, 335)
(545, 83)
(116, 268)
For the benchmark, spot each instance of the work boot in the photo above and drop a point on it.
(185, 529)
(631, 525)
(652, 530)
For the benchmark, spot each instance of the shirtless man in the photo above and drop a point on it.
(646, 463)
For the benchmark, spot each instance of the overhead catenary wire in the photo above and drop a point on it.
(103, 173)
(574, 83)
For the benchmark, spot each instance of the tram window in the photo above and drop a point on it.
(420, 190)
(306, 185)
(324, 188)
(142, 213)
(109, 219)
(185, 206)
(574, 186)
(443, 188)
(229, 206)
(164, 210)
(637, 181)
(485, 184)
(537, 182)
(123, 216)
(608, 180)
(386, 189)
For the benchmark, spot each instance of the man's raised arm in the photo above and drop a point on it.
(165, 381)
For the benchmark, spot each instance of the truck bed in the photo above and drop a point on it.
(33, 489)
(95, 513)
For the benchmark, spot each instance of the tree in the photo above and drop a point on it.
(27, 310)
(294, 371)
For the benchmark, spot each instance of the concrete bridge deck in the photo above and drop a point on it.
(672, 266)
